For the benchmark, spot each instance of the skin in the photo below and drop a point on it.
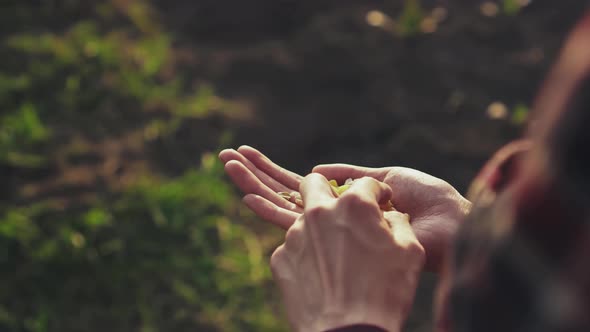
(435, 207)
(316, 282)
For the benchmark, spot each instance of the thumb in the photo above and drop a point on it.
(404, 237)
(399, 223)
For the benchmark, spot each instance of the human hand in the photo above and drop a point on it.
(435, 206)
(346, 262)
(261, 180)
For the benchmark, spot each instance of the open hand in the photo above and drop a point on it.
(435, 207)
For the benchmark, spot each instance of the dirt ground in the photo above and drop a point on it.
(321, 85)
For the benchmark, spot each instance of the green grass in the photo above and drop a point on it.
(159, 253)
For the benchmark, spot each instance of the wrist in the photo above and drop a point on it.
(352, 318)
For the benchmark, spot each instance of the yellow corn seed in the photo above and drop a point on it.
(342, 189)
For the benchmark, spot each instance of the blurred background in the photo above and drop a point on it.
(115, 214)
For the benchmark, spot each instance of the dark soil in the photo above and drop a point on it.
(324, 86)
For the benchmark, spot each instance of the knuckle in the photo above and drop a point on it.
(314, 177)
(293, 234)
(355, 200)
(316, 212)
(368, 179)
(310, 178)
(277, 260)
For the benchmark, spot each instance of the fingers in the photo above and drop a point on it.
(249, 184)
(270, 212)
(401, 229)
(341, 172)
(369, 189)
(231, 154)
(286, 177)
(315, 191)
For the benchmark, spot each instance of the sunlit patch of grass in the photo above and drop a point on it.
(170, 241)
(21, 131)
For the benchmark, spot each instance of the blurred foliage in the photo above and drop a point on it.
(410, 18)
(520, 113)
(21, 130)
(158, 254)
(511, 7)
(87, 70)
